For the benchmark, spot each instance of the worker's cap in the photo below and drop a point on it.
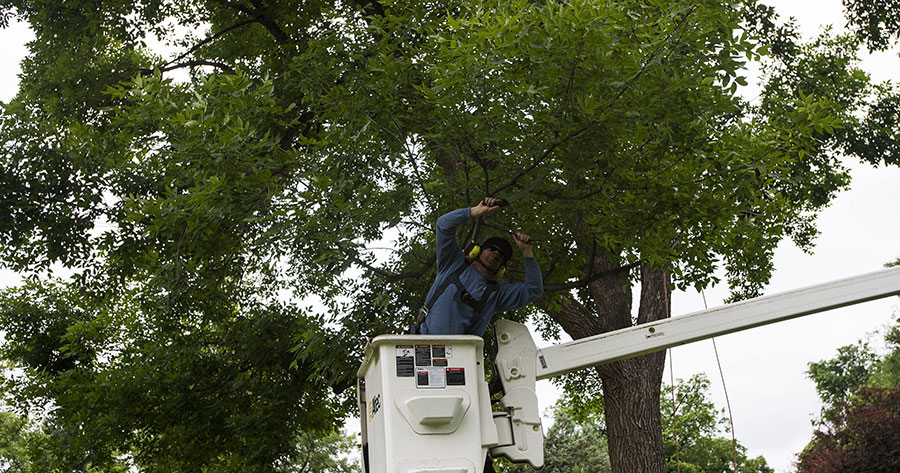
(501, 244)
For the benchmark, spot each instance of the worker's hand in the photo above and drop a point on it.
(524, 243)
(486, 207)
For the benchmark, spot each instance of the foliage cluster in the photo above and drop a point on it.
(695, 433)
(22, 447)
(876, 23)
(571, 446)
(700, 444)
(114, 393)
(856, 366)
(861, 434)
(859, 429)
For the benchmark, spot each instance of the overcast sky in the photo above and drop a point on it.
(772, 400)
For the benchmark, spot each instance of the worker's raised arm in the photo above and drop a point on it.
(448, 250)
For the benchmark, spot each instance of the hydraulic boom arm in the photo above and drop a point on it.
(519, 362)
(662, 334)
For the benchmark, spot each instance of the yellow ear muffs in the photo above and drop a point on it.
(473, 255)
(474, 252)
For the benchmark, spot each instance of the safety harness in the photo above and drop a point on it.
(461, 295)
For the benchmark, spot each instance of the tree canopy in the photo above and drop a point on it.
(207, 194)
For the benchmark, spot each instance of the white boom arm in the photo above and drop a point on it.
(662, 334)
(520, 363)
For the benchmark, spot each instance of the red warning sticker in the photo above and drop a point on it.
(456, 376)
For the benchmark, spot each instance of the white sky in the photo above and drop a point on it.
(772, 400)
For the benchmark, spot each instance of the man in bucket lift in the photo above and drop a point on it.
(465, 295)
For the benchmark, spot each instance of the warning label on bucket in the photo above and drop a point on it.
(430, 365)
(441, 351)
(405, 361)
(423, 355)
(431, 377)
(456, 376)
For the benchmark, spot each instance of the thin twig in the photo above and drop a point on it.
(199, 62)
(207, 41)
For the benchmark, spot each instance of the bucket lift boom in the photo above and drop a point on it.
(515, 431)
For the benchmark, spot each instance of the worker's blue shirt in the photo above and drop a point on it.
(451, 316)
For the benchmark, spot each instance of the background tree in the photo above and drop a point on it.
(858, 428)
(572, 444)
(701, 428)
(301, 137)
(838, 378)
(854, 367)
(861, 434)
(325, 452)
(577, 439)
(887, 372)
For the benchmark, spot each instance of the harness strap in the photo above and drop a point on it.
(453, 279)
(423, 312)
(478, 306)
(467, 298)
(462, 294)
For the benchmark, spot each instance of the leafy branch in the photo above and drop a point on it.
(650, 59)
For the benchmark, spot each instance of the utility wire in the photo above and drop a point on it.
(727, 401)
(665, 289)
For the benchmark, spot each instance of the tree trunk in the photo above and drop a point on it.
(631, 387)
(631, 391)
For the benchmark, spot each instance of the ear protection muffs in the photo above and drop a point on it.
(474, 250)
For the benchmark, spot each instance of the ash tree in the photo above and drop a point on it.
(206, 194)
